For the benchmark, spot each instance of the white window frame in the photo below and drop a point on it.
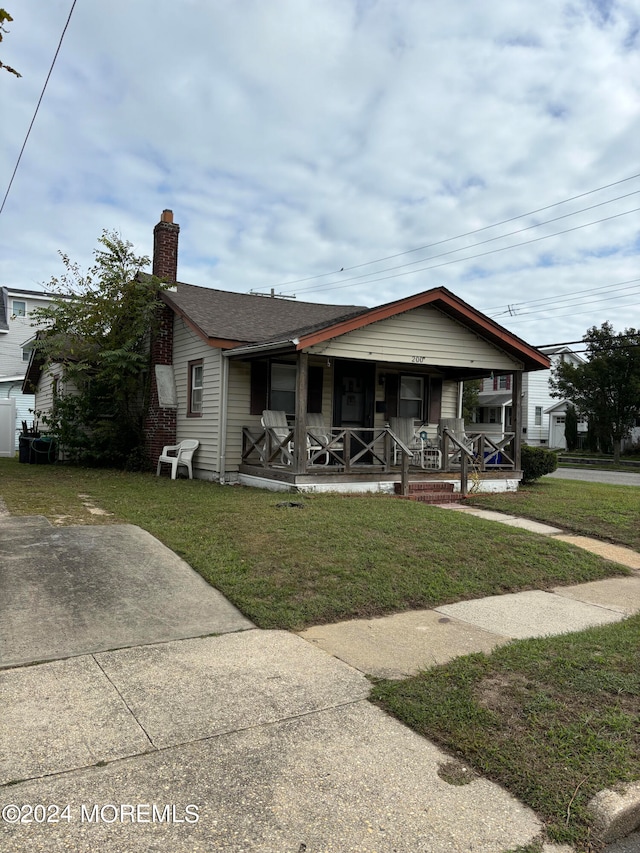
(20, 312)
(196, 388)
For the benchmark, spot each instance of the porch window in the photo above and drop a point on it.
(283, 387)
(195, 389)
(411, 397)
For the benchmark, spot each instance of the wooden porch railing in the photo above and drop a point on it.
(360, 449)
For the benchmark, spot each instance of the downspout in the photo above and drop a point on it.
(224, 396)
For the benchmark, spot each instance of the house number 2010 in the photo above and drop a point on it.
(417, 359)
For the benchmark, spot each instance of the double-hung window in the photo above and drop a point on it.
(19, 308)
(283, 387)
(411, 398)
(195, 389)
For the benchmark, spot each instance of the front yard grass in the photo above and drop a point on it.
(604, 511)
(331, 559)
(553, 720)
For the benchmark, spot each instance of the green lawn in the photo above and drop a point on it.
(333, 558)
(553, 720)
(591, 509)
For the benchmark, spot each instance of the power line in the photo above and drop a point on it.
(514, 305)
(581, 341)
(480, 243)
(340, 285)
(515, 310)
(561, 306)
(460, 236)
(24, 144)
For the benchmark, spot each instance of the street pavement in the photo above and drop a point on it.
(587, 475)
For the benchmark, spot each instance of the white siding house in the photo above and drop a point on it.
(543, 416)
(17, 331)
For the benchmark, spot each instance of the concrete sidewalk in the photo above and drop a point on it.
(157, 738)
(405, 643)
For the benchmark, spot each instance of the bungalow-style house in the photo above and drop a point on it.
(226, 366)
(543, 416)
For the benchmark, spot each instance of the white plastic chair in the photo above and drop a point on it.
(279, 432)
(178, 454)
(318, 438)
(416, 440)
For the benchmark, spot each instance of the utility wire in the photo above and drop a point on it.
(24, 144)
(460, 236)
(341, 285)
(522, 308)
(480, 243)
(562, 304)
(515, 305)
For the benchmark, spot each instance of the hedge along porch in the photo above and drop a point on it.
(234, 355)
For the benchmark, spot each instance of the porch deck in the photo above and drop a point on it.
(376, 460)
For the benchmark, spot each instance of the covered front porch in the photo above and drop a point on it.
(375, 402)
(346, 425)
(378, 459)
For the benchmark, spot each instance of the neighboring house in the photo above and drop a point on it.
(221, 358)
(543, 416)
(16, 339)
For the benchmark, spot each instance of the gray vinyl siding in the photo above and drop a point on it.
(420, 336)
(44, 392)
(188, 347)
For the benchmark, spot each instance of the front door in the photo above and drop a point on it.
(354, 396)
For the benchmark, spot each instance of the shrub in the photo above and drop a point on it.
(536, 462)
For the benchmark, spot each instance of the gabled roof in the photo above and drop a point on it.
(247, 323)
(228, 319)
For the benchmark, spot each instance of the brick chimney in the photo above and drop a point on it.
(165, 248)
(160, 421)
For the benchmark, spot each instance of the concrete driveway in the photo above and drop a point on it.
(67, 591)
(152, 716)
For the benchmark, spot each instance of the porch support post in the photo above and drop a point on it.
(516, 417)
(300, 435)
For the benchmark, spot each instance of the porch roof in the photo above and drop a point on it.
(492, 400)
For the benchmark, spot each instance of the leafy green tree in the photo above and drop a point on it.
(470, 390)
(606, 388)
(571, 427)
(5, 16)
(99, 330)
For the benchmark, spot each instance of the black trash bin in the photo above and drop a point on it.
(43, 450)
(24, 448)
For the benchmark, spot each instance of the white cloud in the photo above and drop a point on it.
(297, 137)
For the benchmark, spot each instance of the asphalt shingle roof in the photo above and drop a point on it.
(250, 319)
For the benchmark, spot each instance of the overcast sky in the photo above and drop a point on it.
(349, 151)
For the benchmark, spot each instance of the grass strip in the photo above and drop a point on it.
(601, 510)
(554, 720)
(334, 558)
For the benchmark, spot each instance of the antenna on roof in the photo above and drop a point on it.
(272, 294)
